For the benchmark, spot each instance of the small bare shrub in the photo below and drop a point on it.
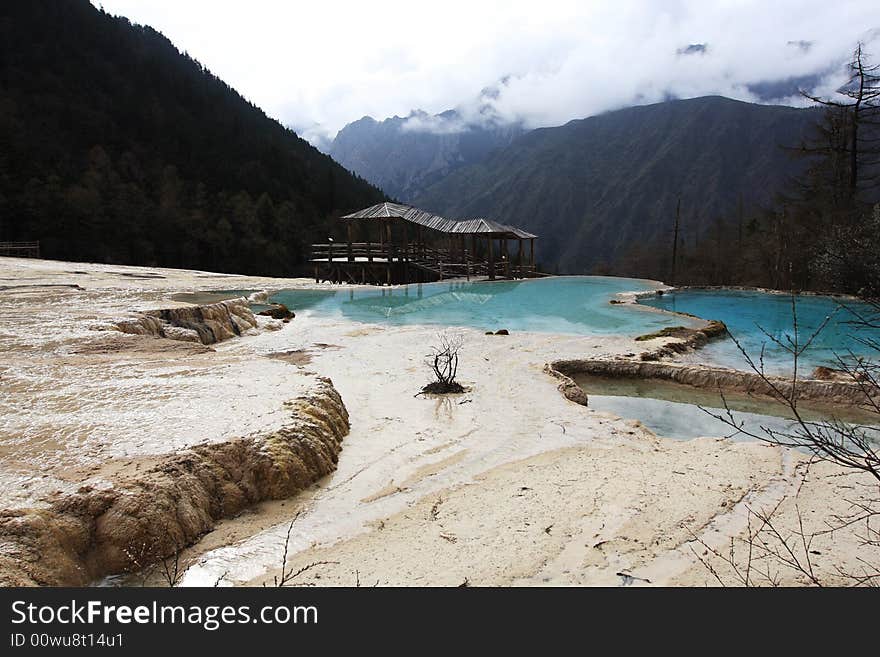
(443, 362)
(288, 575)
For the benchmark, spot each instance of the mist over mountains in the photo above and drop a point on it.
(405, 156)
(591, 174)
(596, 187)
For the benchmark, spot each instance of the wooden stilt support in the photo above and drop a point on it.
(491, 246)
(519, 265)
(405, 254)
(389, 251)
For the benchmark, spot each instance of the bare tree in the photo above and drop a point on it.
(767, 549)
(850, 445)
(675, 230)
(852, 115)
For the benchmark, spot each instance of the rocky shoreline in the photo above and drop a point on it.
(826, 385)
(135, 484)
(150, 514)
(707, 378)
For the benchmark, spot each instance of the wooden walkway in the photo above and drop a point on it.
(383, 264)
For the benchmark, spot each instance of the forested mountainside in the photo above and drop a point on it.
(601, 190)
(116, 147)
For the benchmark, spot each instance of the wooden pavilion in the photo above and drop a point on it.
(391, 243)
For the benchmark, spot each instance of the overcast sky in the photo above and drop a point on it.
(318, 65)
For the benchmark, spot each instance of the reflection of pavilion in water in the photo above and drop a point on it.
(412, 298)
(415, 246)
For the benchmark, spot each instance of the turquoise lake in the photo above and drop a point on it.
(575, 305)
(579, 305)
(747, 312)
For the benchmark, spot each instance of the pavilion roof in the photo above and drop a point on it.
(479, 226)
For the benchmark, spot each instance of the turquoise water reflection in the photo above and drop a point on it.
(746, 312)
(577, 305)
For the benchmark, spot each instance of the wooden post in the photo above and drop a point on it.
(389, 251)
(490, 243)
(474, 249)
(519, 259)
(350, 255)
(405, 243)
(387, 228)
(405, 252)
(532, 253)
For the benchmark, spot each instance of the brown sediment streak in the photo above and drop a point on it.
(714, 378)
(149, 515)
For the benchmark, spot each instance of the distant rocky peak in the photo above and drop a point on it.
(801, 44)
(403, 155)
(694, 49)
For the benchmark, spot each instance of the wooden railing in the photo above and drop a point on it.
(342, 251)
(20, 249)
(442, 262)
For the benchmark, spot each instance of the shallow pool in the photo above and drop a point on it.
(747, 312)
(674, 410)
(567, 305)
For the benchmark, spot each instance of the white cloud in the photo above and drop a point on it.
(319, 65)
(438, 125)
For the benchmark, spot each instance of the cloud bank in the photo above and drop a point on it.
(318, 66)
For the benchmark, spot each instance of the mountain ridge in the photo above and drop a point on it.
(403, 155)
(595, 188)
